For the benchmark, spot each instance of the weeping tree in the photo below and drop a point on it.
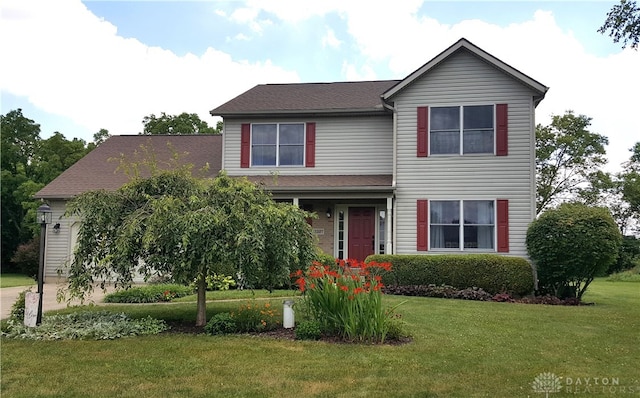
(176, 225)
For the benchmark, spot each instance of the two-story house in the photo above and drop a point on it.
(442, 161)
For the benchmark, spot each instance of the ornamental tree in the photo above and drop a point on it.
(176, 225)
(570, 246)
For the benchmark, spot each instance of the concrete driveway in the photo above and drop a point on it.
(9, 295)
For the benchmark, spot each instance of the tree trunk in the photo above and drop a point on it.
(201, 317)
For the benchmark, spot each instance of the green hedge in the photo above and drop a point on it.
(149, 294)
(491, 272)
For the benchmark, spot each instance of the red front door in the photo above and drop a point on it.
(362, 231)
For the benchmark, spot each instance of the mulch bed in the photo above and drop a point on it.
(280, 334)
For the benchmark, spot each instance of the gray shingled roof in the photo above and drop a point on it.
(341, 97)
(97, 170)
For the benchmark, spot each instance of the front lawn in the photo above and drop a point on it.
(459, 348)
(13, 280)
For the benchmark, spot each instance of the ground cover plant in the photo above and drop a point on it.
(86, 325)
(460, 348)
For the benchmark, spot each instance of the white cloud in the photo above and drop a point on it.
(353, 73)
(330, 39)
(69, 62)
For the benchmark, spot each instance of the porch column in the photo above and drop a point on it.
(295, 202)
(388, 241)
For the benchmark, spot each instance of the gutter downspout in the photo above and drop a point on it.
(392, 249)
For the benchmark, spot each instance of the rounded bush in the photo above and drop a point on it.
(222, 323)
(570, 246)
(308, 330)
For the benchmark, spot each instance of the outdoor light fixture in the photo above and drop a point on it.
(56, 228)
(329, 212)
(44, 218)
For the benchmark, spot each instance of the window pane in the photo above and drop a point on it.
(478, 211)
(292, 134)
(264, 134)
(478, 117)
(445, 142)
(445, 212)
(445, 237)
(291, 155)
(445, 118)
(478, 141)
(264, 155)
(478, 237)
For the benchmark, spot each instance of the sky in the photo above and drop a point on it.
(79, 66)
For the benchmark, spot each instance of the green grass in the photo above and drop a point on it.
(459, 349)
(13, 280)
(630, 275)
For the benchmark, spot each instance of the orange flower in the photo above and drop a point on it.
(358, 290)
(344, 288)
(301, 284)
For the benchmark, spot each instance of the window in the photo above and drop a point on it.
(277, 144)
(467, 224)
(461, 129)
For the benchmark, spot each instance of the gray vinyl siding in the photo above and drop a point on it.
(344, 145)
(463, 79)
(58, 244)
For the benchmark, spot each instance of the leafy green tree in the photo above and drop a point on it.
(623, 23)
(54, 155)
(184, 123)
(98, 138)
(570, 246)
(19, 138)
(173, 224)
(568, 159)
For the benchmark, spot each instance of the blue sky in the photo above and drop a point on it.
(76, 67)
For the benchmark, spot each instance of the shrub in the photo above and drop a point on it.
(491, 272)
(27, 257)
(346, 303)
(17, 309)
(308, 330)
(222, 323)
(442, 291)
(628, 255)
(254, 317)
(570, 246)
(149, 294)
(85, 325)
(216, 282)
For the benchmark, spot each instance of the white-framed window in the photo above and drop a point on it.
(459, 130)
(462, 224)
(277, 144)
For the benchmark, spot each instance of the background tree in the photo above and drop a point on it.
(623, 23)
(176, 225)
(568, 158)
(184, 123)
(98, 138)
(570, 246)
(27, 164)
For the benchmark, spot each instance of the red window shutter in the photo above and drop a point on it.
(503, 225)
(423, 131)
(310, 154)
(245, 145)
(423, 225)
(502, 130)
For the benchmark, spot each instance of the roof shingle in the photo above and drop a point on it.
(99, 168)
(308, 97)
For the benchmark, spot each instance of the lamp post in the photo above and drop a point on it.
(44, 218)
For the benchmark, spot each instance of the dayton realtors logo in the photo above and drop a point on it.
(548, 383)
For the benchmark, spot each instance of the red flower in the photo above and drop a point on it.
(301, 282)
(344, 288)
